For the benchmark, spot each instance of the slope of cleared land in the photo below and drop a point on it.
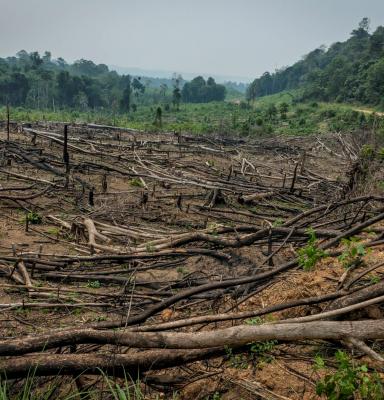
(202, 267)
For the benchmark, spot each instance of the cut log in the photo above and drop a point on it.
(234, 336)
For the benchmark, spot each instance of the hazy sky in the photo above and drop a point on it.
(224, 37)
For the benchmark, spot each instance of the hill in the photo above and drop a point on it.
(350, 71)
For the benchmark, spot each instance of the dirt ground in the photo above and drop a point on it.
(156, 188)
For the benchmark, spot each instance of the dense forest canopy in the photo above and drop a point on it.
(39, 81)
(350, 71)
(201, 91)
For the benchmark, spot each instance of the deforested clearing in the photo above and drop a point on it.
(198, 266)
(191, 200)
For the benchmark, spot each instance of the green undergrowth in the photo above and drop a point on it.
(61, 388)
(310, 254)
(349, 381)
(276, 114)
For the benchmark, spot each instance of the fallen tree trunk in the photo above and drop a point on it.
(359, 296)
(206, 319)
(123, 365)
(26, 197)
(234, 336)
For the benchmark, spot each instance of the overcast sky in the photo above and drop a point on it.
(224, 37)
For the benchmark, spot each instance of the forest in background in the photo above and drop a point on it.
(37, 81)
(350, 71)
(346, 72)
(328, 90)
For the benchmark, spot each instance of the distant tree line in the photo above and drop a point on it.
(39, 81)
(347, 72)
(36, 81)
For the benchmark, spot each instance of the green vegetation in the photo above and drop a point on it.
(381, 185)
(238, 361)
(353, 253)
(380, 154)
(215, 396)
(257, 350)
(53, 231)
(254, 321)
(94, 284)
(261, 118)
(278, 222)
(31, 389)
(136, 182)
(261, 349)
(26, 392)
(34, 218)
(350, 71)
(41, 82)
(150, 248)
(310, 254)
(374, 279)
(39, 88)
(201, 91)
(182, 270)
(367, 152)
(350, 380)
(130, 391)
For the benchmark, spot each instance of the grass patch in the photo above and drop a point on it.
(279, 114)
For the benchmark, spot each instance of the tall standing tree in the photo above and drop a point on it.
(362, 31)
(47, 57)
(35, 59)
(163, 90)
(137, 88)
(125, 102)
(376, 45)
(176, 93)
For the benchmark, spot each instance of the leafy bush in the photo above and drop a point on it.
(136, 182)
(94, 284)
(278, 222)
(310, 254)
(349, 381)
(353, 252)
(260, 348)
(367, 152)
(34, 218)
